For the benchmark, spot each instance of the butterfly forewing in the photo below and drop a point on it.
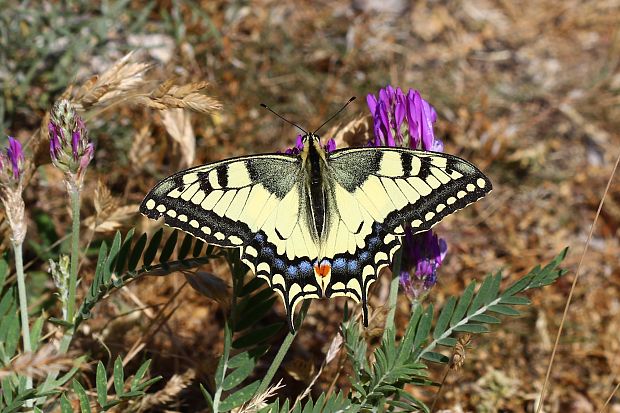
(223, 203)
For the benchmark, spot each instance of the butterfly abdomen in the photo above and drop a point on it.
(317, 191)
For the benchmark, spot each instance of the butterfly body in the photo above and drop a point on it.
(317, 224)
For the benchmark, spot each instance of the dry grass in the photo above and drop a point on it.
(529, 91)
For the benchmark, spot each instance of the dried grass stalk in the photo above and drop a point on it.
(188, 96)
(259, 401)
(178, 125)
(115, 220)
(121, 80)
(126, 82)
(355, 133)
(175, 385)
(141, 152)
(39, 364)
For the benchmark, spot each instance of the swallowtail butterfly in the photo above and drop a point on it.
(317, 224)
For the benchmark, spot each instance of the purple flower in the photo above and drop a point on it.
(329, 146)
(407, 121)
(70, 149)
(16, 157)
(423, 254)
(403, 120)
(11, 186)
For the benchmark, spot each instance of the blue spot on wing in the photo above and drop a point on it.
(305, 267)
(339, 264)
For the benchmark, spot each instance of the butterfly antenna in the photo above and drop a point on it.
(284, 119)
(335, 114)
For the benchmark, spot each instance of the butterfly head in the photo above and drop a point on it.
(311, 139)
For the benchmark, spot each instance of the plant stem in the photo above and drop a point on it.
(75, 245)
(286, 344)
(393, 297)
(67, 337)
(23, 302)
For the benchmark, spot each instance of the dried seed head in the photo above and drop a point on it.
(70, 149)
(460, 350)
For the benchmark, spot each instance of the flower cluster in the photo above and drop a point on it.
(70, 149)
(329, 146)
(423, 254)
(11, 173)
(11, 164)
(403, 120)
(406, 120)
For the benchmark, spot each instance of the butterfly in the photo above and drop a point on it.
(317, 224)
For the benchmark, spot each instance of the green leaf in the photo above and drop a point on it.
(239, 360)
(60, 322)
(151, 250)
(238, 375)
(447, 341)
(257, 336)
(222, 364)
(145, 384)
(485, 318)
(444, 317)
(65, 405)
(119, 376)
(169, 246)
(239, 397)
(139, 375)
(464, 302)
(35, 332)
(185, 246)
(81, 393)
(6, 301)
(504, 310)
(260, 310)
(515, 300)
(402, 405)
(435, 357)
(102, 382)
(4, 271)
(7, 390)
(132, 394)
(251, 286)
(197, 248)
(136, 253)
(68, 375)
(472, 328)
(424, 327)
(112, 256)
(207, 397)
(98, 279)
(11, 323)
(483, 296)
(123, 253)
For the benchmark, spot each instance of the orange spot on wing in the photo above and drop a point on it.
(322, 269)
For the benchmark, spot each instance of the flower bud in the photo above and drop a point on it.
(70, 149)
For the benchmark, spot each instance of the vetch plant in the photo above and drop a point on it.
(379, 376)
(71, 152)
(406, 120)
(11, 187)
(40, 367)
